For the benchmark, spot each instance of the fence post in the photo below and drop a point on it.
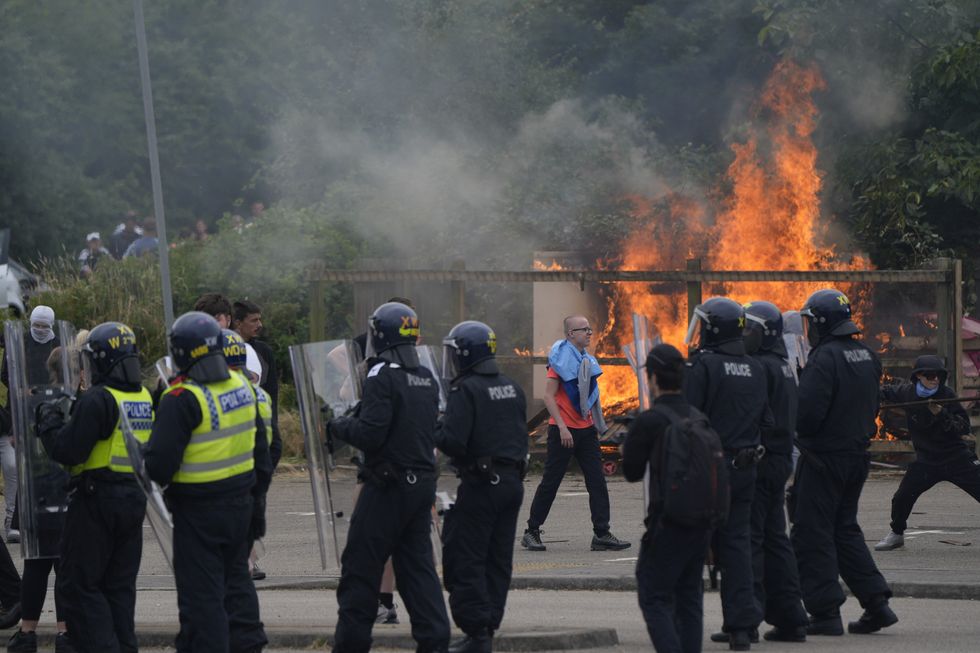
(458, 294)
(318, 311)
(693, 287)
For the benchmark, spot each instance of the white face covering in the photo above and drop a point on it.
(41, 333)
(42, 321)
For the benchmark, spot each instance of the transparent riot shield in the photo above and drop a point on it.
(797, 348)
(157, 513)
(165, 369)
(39, 372)
(643, 342)
(429, 360)
(327, 383)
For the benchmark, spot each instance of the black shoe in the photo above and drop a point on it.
(532, 540)
(723, 637)
(62, 644)
(481, 643)
(825, 624)
(257, 574)
(608, 542)
(9, 616)
(739, 640)
(21, 642)
(873, 620)
(778, 634)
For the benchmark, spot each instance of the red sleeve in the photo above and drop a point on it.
(553, 374)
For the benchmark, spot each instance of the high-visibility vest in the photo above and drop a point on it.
(111, 452)
(223, 444)
(265, 405)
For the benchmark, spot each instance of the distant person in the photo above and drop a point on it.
(256, 210)
(200, 232)
(247, 321)
(124, 235)
(145, 244)
(217, 306)
(89, 257)
(571, 396)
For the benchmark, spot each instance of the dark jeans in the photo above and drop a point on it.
(738, 602)
(478, 550)
(100, 557)
(777, 580)
(963, 472)
(9, 579)
(586, 452)
(216, 601)
(669, 587)
(393, 521)
(34, 587)
(826, 536)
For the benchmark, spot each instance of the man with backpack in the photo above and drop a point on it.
(730, 388)
(688, 497)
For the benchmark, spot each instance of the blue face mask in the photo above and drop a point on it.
(923, 391)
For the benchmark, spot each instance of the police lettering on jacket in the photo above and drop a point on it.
(498, 392)
(738, 369)
(140, 414)
(238, 398)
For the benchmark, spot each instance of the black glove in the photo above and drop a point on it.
(256, 530)
(48, 417)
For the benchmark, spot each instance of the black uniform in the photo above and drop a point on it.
(103, 543)
(484, 430)
(777, 581)
(219, 610)
(731, 391)
(394, 427)
(940, 452)
(668, 571)
(836, 419)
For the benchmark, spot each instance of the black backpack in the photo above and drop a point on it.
(694, 472)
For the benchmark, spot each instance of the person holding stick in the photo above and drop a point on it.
(937, 426)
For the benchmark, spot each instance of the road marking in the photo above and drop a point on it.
(301, 514)
(622, 560)
(573, 494)
(934, 532)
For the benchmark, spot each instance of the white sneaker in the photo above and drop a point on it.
(386, 615)
(891, 542)
(13, 536)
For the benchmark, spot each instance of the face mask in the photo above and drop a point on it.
(42, 335)
(923, 391)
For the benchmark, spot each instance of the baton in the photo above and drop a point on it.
(926, 402)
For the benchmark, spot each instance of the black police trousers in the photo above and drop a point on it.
(216, 601)
(777, 580)
(9, 579)
(826, 536)
(963, 472)
(587, 453)
(669, 586)
(100, 557)
(392, 521)
(734, 548)
(478, 549)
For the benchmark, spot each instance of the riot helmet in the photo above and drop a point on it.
(111, 348)
(717, 324)
(393, 330)
(196, 346)
(470, 346)
(827, 313)
(234, 350)
(763, 328)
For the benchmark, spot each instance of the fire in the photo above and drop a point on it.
(901, 330)
(548, 267)
(770, 220)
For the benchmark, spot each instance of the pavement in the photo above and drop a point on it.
(570, 597)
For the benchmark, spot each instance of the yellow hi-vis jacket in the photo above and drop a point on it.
(223, 444)
(111, 452)
(265, 406)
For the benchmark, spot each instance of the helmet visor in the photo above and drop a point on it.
(693, 337)
(450, 360)
(755, 327)
(810, 333)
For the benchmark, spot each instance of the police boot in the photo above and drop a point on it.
(481, 642)
(21, 642)
(825, 623)
(739, 640)
(724, 637)
(873, 620)
(780, 634)
(891, 542)
(62, 644)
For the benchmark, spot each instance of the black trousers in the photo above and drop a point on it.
(478, 550)
(100, 557)
(586, 452)
(216, 601)
(963, 472)
(777, 580)
(9, 579)
(34, 588)
(393, 521)
(734, 548)
(826, 536)
(669, 587)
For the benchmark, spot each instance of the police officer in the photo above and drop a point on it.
(484, 430)
(730, 388)
(208, 443)
(777, 581)
(103, 533)
(235, 352)
(394, 427)
(835, 421)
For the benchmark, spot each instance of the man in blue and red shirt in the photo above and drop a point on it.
(572, 398)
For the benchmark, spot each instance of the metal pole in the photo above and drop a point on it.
(151, 142)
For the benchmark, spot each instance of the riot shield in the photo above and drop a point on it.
(327, 383)
(157, 514)
(429, 360)
(797, 348)
(165, 369)
(643, 342)
(39, 372)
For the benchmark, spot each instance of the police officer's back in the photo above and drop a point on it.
(394, 427)
(209, 446)
(103, 534)
(836, 419)
(484, 430)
